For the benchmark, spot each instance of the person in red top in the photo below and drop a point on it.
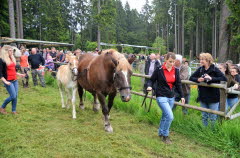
(8, 75)
(24, 68)
(167, 78)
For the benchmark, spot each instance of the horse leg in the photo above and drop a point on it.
(102, 98)
(69, 98)
(74, 90)
(96, 105)
(111, 97)
(80, 93)
(61, 90)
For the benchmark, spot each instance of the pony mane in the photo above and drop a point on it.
(123, 63)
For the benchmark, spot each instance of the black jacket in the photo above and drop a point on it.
(163, 89)
(147, 65)
(3, 69)
(208, 94)
(237, 79)
(35, 60)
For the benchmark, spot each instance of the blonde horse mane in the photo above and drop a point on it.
(123, 63)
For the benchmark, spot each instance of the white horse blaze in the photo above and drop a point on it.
(125, 76)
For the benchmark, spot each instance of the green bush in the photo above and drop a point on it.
(91, 46)
(50, 79)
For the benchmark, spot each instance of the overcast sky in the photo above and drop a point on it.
(136, 4)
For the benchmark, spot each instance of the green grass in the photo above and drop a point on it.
(225, 137)
(44, 129)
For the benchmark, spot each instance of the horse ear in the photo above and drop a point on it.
(131, 58)
(100, 52)
(109, 56)
(78, 56)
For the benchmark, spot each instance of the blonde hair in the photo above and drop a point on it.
(5, 56)
(207, 56)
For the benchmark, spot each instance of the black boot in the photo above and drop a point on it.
(166, 140)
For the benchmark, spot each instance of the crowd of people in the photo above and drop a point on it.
(165, 83)
(34, 60)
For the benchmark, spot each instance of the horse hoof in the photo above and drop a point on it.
(63, 107)
(74, 117)
(96, 107)
(109, 129)
(82, 107)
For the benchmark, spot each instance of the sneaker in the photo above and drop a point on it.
(3, 111)
(166, 140)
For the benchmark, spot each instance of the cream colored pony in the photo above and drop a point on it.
(67, 82)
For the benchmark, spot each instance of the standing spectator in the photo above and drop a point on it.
(158, 58)
(150, 66)
(8, 75)
(183, 69)
(24, 68)
(231, 82)
(26, 52)
(35, 60)
(186, 63)
(167, 78)
(209, 97)
(44, 54)
(53, 53)
(96, 51)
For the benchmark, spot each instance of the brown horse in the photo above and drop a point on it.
(102, 75)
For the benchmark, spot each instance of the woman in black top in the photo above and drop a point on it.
(167, 79)
(209, 97)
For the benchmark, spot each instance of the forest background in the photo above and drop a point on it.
(187, 27)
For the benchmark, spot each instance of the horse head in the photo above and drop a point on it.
(73, 64)
(122, 74)
(17, 52)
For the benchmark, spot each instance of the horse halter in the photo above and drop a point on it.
(74, 77)
(121, 88)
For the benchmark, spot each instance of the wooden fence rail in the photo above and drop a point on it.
(223, 95)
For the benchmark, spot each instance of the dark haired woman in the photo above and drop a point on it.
(167, 78)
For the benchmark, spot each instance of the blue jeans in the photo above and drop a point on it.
(206, 115)
(231, 102)
(166, 105)
(13, 92)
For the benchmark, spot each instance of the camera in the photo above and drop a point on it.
(205, 79)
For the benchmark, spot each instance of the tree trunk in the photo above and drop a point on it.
(202, 49)
(191, 46)
(215, 32)
(20, 19)
(213, 37)
(223, 33)
(183, 47)
(197, 38)
(98, 33)
(179, 32)
(176, 48)
(11, 19)
(167, 36)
